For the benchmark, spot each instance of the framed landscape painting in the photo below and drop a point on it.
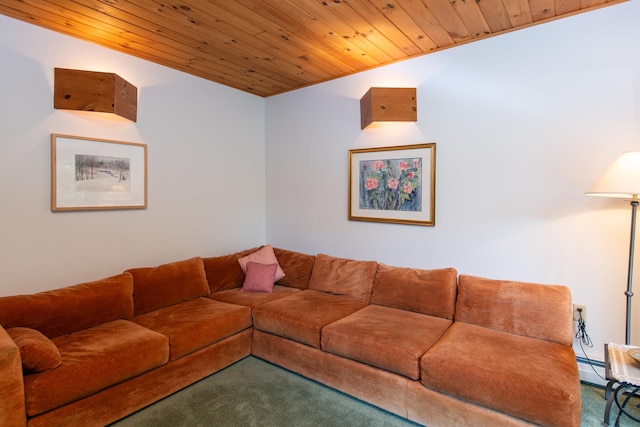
(94, 174)
(393, 184)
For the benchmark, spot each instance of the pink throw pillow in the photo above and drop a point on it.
(264, 255)
(259, 277)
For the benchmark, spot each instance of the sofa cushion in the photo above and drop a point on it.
(224, 272)
(387, 338)
(340, 276)
(533, 310)
(430, 292)
(37, 352)
(168, 284)
(297, 268)
(66, 310)
(259, 277)
(264, 255)
(196, 323)
(93, 359)
(302, 315)
(485, 366)
(252, 299)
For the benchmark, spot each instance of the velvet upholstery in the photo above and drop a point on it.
(301, 316)
(352, 325)
(122, 399)
(344, 277)
(297, 268)
(432, 408)
(168, 284)
(430, 292)
(375, 386)
(378, 387)
(389, 391)
(12, 407)
(484, 366)
(252, 299)
(224, 272)
(70, 309)
(197, 323)
(93, 359)
(532, 310)
(388, 338)
(37, 352)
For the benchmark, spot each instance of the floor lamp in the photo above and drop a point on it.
(622, 180)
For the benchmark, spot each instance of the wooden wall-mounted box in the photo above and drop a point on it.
(95, 91)
(382, 104)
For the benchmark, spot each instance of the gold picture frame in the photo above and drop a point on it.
(97, 174)
(393, 184)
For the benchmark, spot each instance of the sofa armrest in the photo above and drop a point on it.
(12, 399)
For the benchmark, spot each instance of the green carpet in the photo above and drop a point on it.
(253, 392)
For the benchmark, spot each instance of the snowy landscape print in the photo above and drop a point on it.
(391, 184)
(101, 173)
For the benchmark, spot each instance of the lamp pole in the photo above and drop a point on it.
(622, 180)
(629, 291)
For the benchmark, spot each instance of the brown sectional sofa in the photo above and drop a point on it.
(428, 345)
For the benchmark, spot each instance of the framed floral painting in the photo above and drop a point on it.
(393, 184)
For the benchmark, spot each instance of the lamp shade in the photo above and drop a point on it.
(621, 180)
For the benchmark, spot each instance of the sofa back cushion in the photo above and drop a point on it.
(431, 292)
(344, 277)
(168, 284)
(224, 272)
(297, 268)
(529, 309)
(67, 310)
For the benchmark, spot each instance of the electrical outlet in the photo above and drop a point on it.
(579, 310)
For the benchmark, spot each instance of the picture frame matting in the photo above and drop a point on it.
(393, 184)
(97, 174)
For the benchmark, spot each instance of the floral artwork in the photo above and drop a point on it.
(391, 184)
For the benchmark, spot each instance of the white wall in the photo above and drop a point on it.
(524, 123)
(205, 165)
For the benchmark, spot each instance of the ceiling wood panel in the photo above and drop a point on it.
(267, 47)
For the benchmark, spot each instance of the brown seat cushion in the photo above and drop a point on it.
(196, 323)
(168, 284)
(70, 309)
(302, 316)
(384, 337)
(341, 276)
(484, 366)
(93, 359)
(252, 299)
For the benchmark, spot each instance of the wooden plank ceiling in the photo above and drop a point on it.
(266, 47)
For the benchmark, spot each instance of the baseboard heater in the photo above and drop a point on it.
(591, 371)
